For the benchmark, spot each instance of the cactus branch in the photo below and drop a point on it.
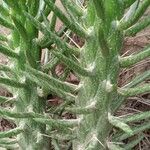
(5, 112)
(113, 146)
(71, 64)
(133, 143)
(10, 133)
(8, 141)
(138, 79)
(75, 27)
(134, 91)
(128, 3)
(55, 90)
(135, 130)
(99, 8)
(13, 5)
(132, 31)
(11, 82)
(115, 121)
(20, 29)
(61, 44)
(141, 9)
(58, 123)
(8, 52)
(72, 8)
(4, 11)
(6, 24)
(62, 136)
(54, 82)
(83, 110)
(10, 146)
(46, 11)
(6, 99)
(133, 59)
(45, 42)
(136, 117)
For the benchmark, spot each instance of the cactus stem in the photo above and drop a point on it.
(83, 110)
(12, 132)
(127, 92)
(59, 123)
(133, 59)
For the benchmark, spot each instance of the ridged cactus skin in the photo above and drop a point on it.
(102, 25)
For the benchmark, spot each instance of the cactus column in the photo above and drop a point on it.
(100, 52)
(27, 100)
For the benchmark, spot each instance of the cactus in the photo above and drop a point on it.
(94, 101)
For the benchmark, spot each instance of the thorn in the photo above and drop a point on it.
(109, 86)
(72, 40)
